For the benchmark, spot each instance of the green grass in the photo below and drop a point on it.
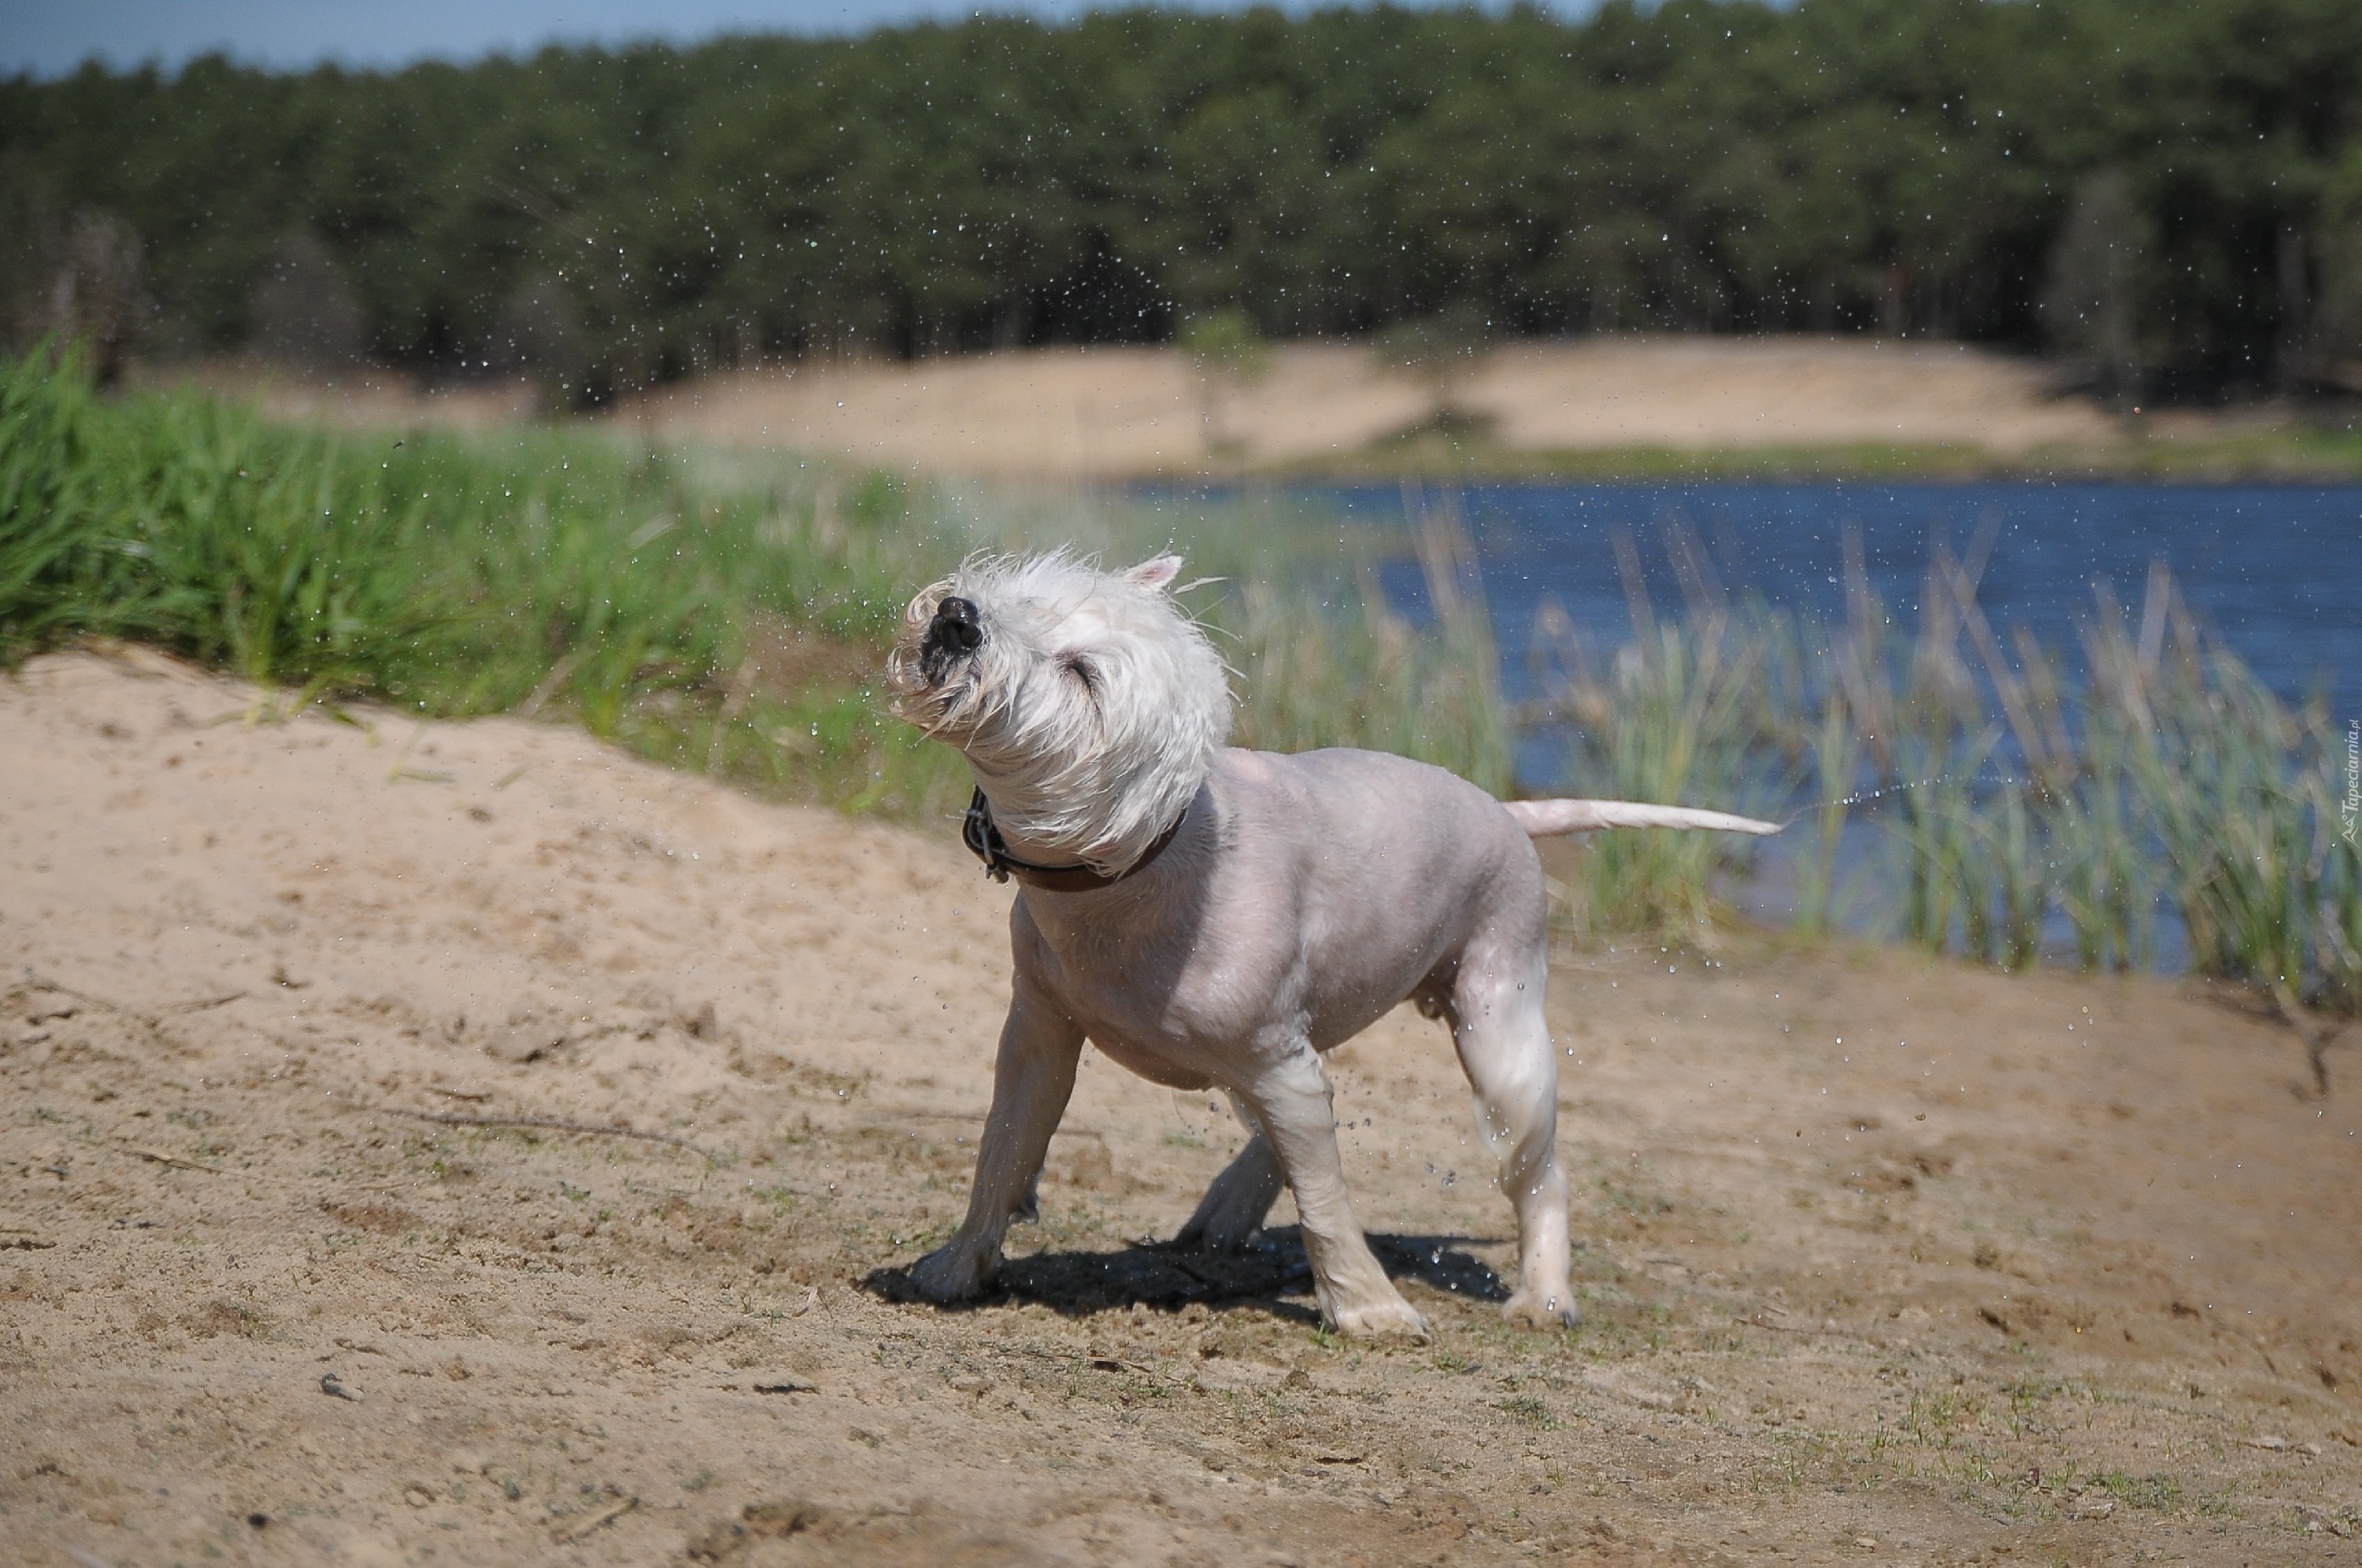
(720, 612)
(1471, 453)
(1671, 725)
(1529, 1412)
(699, 613)
(2330, 449)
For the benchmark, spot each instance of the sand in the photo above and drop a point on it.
(1882, 1260)
(1122, 412)
(1118, 411)
(350, 398)
(1700, 393)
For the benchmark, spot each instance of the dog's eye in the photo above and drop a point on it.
(1083, 670)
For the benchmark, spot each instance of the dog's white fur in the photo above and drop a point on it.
(1300, 900)
(1090, 713)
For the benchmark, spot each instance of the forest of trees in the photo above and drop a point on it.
(2168, 193)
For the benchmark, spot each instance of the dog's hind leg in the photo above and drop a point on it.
(1497, 1022)
(1290, 1102)
(1234, 1206)
(1032, 1082)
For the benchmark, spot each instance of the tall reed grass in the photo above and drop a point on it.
(2022, 808)
(1671, 723)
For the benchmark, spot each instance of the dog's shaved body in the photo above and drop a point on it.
(1304, 896)
(1303, 899)
(1300, 898)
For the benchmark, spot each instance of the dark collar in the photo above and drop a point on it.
(979, 832)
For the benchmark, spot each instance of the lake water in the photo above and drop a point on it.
(2275, 571)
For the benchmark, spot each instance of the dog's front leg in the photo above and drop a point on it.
(1032, 1082)
(1291, 1107)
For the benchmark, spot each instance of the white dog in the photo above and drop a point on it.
(1218, 918)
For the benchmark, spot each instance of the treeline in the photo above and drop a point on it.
(2168, 191)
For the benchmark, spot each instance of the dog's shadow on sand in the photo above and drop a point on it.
(1158, 1274)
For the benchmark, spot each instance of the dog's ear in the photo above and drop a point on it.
(1157, 574)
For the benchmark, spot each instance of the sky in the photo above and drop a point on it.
(49, 38)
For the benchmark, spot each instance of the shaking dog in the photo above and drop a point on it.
(1217, 918)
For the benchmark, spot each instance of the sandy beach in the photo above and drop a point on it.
(1606, 406)
(466, 1143)
(1119, 411)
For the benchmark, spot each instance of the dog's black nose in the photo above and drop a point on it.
(955, 626)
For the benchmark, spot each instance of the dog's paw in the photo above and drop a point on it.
(952, 1273)
(1196, 1238)
(1536, 1310)
(1376, 1319)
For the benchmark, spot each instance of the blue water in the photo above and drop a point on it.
(2274, 571)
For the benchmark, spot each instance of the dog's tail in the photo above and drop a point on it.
(1543, 818)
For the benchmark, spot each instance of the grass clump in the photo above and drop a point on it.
(722, 613)
(722, 618)
(1527, 1410)
(2012, 799)
(2159, 1492)
(1673, 723)
(1366, 676)
(1672, 727)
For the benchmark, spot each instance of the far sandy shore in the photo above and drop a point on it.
(1118, 411)
(1708, 407)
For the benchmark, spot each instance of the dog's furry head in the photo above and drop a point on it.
(1088, 705)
